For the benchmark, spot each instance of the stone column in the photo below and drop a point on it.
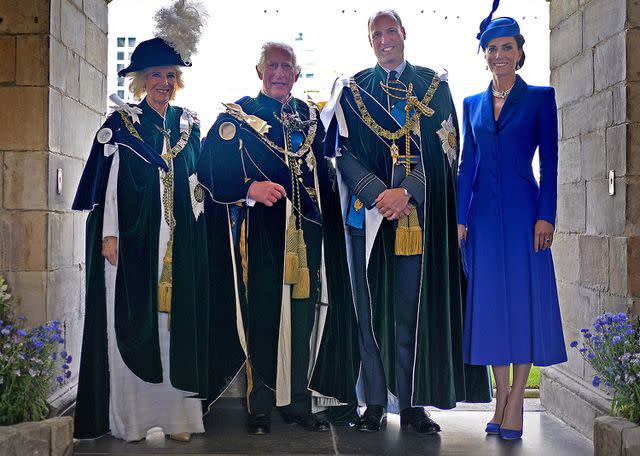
(595, 68)
(52, 92)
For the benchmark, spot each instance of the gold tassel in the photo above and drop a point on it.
(165, 285)
(302, 286)
(291, 253)
(409, 235)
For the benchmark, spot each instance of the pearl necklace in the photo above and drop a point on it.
(503, 93)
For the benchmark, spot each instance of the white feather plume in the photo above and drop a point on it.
(180, 25)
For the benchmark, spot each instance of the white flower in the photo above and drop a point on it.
(32, 372)
(448, 137)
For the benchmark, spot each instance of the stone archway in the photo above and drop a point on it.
(595, 68)
(53, 83)
(52, 91)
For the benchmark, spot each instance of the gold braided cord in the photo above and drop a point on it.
(306, 145)
(166, 275)
(412, 101)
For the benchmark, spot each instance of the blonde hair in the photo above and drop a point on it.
(137, 84)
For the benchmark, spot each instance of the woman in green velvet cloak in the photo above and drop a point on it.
(145, 356)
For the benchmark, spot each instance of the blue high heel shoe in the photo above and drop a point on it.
(512, 434)
(492, 429)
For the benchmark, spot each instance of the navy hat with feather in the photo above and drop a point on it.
(152, 53)
(496, 28)
(178, 30)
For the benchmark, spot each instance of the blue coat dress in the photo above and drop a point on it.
(512, 313)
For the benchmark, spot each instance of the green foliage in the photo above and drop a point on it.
(29, 361)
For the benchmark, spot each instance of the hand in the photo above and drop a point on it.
(462, 234)
(110, 249)
(266, 192)
(542, 235)
(393, 203)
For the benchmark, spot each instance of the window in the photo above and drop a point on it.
(121, 93)
(120, 66)
(120, 81)
(308, 75)
(120, 41)
(120, 56)
(130, 55)
(132, 42)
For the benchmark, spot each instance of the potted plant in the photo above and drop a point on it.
(612, 348)
(32, 363)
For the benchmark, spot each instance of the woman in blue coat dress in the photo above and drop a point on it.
(506, 224)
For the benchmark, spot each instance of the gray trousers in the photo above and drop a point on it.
(406, 291)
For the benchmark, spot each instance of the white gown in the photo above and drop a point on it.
(136, 406)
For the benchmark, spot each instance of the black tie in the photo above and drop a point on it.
(393, 75)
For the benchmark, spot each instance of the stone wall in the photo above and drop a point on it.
(595, 68)
(52, 93)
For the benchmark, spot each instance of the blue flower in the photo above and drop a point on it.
(69, 359)
(64, 354)
(5, 331)
(65, 366)
(574, 343)
(622, 317)
(67, 374)
(22, 332)
(60, 379)
(588, 335)
(584, 330)
(597, 327)
(583, 350)
(608, 384)
(591, 356)
(616, 339)
(596, 381)
(54, 356)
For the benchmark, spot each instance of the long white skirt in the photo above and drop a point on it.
(135, 406)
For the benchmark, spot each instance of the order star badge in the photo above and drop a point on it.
(447, 135)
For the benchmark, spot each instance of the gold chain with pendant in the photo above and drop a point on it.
(306, 145)
(419, 107)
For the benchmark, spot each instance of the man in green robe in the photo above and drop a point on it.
(393, 132)
(262, 160)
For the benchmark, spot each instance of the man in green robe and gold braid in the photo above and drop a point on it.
(393, 132)
(262, 162)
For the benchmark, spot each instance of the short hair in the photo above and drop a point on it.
(277, 45)
(137, 84)
(387, 12)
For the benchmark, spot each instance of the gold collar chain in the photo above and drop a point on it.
(306, 145)
(172, 152)
(422, 108)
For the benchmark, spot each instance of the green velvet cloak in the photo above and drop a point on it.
(227, 172)
(440, 377)
(136, 321)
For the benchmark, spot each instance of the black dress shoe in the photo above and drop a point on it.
(372, 420)
(259, 424)
(417, 418)
(308, 421)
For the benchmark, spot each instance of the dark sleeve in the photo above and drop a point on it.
(221, 167)
(415, 184)
(362, 182)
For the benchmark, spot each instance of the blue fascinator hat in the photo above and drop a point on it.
(496, 28)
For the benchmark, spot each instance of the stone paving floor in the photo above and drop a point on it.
(462, 435)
